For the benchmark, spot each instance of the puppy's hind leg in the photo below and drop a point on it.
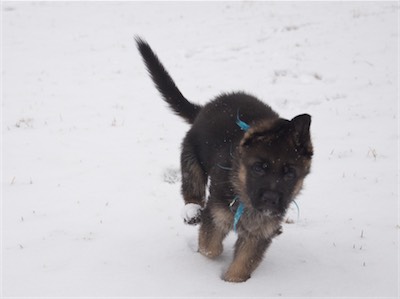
(194, 180)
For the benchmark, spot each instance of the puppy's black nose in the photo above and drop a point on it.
(270, 198)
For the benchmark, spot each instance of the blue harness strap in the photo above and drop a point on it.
(244, 126)
(238, 214)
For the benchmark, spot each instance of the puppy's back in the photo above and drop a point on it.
(215, 131)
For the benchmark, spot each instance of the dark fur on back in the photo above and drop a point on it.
(261, 169)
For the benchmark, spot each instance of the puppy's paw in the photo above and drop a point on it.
(211, 252)
(235, 277)
(191, 213)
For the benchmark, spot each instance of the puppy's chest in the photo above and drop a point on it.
(251, 223)
(258, 224)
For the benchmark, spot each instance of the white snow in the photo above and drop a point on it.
(190, 211)
(90, 154)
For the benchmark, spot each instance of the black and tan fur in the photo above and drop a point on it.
(263, 167)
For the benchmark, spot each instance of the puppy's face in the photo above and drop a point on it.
(274, 159)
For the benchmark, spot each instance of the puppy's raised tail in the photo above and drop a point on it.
(165, 85)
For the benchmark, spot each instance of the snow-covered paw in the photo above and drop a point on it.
(191, 213)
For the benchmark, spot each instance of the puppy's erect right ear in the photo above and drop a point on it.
(301, 123)
(301, 133)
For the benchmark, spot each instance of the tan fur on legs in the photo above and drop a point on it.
(249, 252)
(211, 235)
(210, 242)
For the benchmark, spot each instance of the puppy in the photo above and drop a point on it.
(255, 160)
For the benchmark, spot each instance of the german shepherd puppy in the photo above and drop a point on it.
(255, 160)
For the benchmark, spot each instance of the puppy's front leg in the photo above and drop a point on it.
(210, 236)
(249, 252)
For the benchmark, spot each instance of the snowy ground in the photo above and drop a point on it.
(90, 196)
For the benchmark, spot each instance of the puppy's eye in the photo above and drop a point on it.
(259, 168)
(289, 172)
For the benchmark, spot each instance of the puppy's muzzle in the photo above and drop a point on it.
(269, 200)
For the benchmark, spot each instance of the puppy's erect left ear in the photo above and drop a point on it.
(301, 133)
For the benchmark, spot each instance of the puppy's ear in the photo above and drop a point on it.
(301, 133)
(266, 132)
